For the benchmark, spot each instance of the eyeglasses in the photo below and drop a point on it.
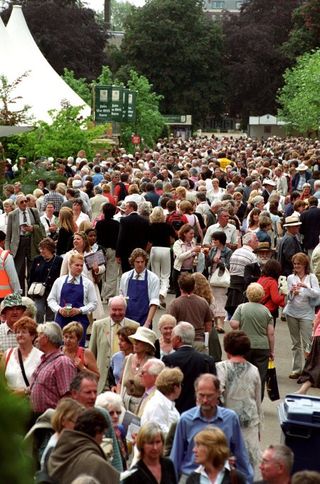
(113, 412)
(23, 201)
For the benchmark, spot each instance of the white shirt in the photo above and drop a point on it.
(230, 231)
(161, 410)
(153, 285)
(4, 222)
(46, 222)
(89, 296)
(22, 219)
(13, 372)
(83, 217)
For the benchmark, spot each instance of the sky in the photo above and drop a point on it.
(98, 4)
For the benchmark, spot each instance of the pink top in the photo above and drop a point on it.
(317, 331)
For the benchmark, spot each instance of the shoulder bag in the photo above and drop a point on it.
(39, 288)
(220, 277)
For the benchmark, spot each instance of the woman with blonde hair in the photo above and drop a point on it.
(73, 297)
(81, 246)
(203, 289)
(66, 230)
(165, 326)
(256, 321)
(161, 237)
(152, 467)
(212, 452)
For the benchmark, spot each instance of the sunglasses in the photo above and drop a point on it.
(113, 412)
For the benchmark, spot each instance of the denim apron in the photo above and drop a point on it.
(73, 294)
(138, 302)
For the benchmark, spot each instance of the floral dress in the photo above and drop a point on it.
(241, 392)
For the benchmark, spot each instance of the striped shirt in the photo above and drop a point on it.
(240, 258)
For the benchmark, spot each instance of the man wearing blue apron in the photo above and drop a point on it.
(141, 288)
(73, 297)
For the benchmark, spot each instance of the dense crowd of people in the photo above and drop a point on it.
(230, 229)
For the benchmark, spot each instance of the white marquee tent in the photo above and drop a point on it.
(43, 89)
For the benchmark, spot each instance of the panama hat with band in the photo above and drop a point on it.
(145, 335)
(292, 221)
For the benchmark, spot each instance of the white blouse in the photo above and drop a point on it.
(13, 372)
(161, 410)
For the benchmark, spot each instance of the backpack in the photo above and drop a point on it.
(176, 219)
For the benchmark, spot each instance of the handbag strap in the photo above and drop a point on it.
(22, 368)
(45, 282)
(8, 356)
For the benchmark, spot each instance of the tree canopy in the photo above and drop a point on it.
(305, 34)
(253, 58)
(178, 49)
(299, 97)
(67, 34)
(60, 138)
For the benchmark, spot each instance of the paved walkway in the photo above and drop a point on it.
(271, 433)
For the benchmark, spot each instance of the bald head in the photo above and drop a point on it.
(117, 308)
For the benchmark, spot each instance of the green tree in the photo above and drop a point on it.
(178, 48)
(67, 34)
(252, 56)
(149, 122)
(16, 467)
(8, 115)
(80, 86)
(119, 13)
(305, 34)
(64, 136)
(299, 97)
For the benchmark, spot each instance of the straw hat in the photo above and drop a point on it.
(292, 221)
(302, 167)
(145, 335)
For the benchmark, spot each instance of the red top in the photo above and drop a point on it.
(273, 299)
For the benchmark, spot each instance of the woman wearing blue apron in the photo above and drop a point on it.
(141, 288)
(73, 297)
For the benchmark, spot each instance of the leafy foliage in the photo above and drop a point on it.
(8, 116)
(119, 13)
(178, 49)
(64, 136)
(67, 34)
(299, 97)
(305, 34)
(15, 465)
(149, 122)
(253, 58)
(80, 86)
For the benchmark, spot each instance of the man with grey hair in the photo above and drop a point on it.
(148, 375)
(104, 340)
(276, 465)
(191, 362)
(223, 226)
(97, 202)
(240, 259)
(212, 214)
(51, 380)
